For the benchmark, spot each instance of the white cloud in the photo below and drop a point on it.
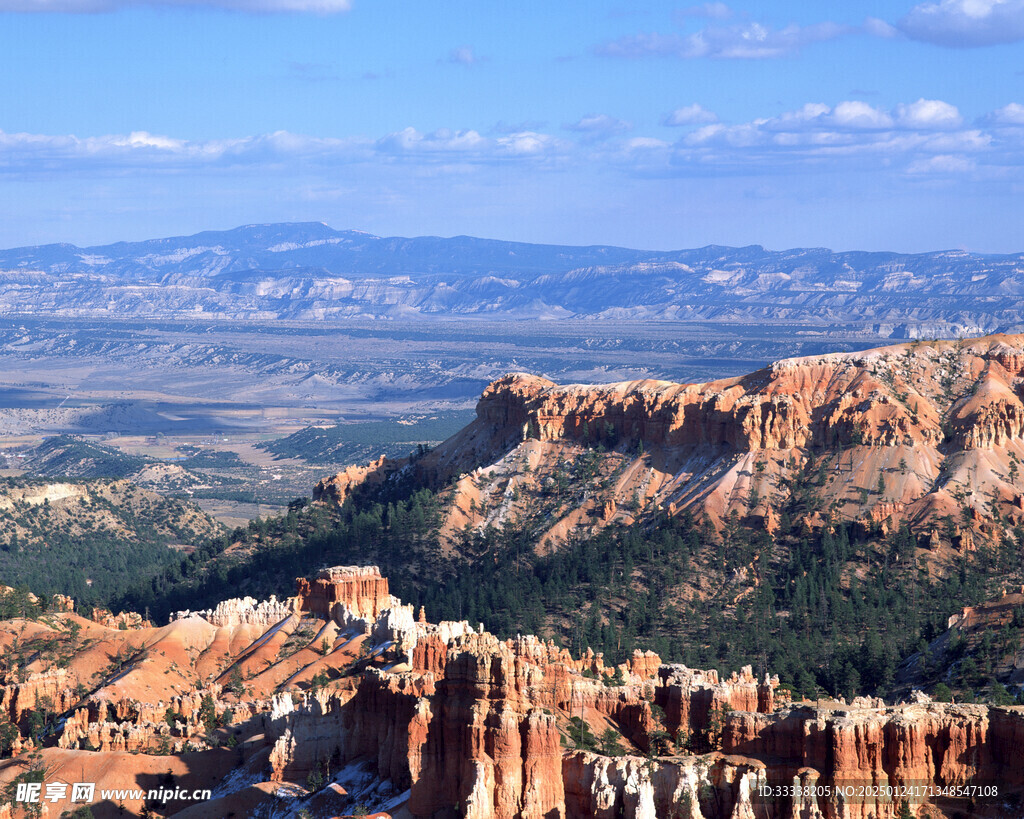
(468, 145)
(920, 138)
(143, 139)
(464, 55)
(714, 11)
(739, 41)
(707, 134)
(1012, 114)
(409, 140)
(857, 114)
(942, 164)
(30, 153)
(928, 114)
(925, 137)
(40, 153)
(694, 114)
(599, 125)
(528, 143)
(850, 115)
(251, 6)
(809, 113)
(880, 28)
(966, 23)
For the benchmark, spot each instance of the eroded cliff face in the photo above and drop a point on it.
(484, 734)
(481, 727)
(448, 720)
(866, 752)
(359, 590)
(693, 699)
(485, 746)
(690, 788)
(340, 486)
(905, 434)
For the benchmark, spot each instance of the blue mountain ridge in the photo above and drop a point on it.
(310, 270)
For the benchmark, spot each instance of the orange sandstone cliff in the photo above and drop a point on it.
(350, 698)
(911, 434)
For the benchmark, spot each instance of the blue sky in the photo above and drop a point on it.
(873, 125)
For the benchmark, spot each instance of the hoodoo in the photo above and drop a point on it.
(431, 720)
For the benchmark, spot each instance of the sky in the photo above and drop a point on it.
(879, 125)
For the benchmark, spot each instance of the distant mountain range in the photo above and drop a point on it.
(309, 271)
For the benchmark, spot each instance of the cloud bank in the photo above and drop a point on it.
(950, 23)
(746, 41)
(690, 115)
(40, 154)
(918, 138)
(965, 23)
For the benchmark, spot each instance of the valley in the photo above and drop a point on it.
(164, 389)
(311, 327)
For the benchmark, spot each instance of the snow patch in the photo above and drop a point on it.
(285, 246)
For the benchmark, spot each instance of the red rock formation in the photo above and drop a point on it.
(360, 589)
(635, 788)
(122, 620)
(477, 725)
(338, 487)
(474, 727)
(488, 748)
(61, 602)
(991, 415)
(644, 664)
(130, 725)
(898, 746)
(895, 417)
(429, 655)
(691, 699)
(52, 688)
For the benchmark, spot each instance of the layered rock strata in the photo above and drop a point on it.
(360, 590)
(479, 726)
(466, 724)
(906, 434)
(868, 754)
